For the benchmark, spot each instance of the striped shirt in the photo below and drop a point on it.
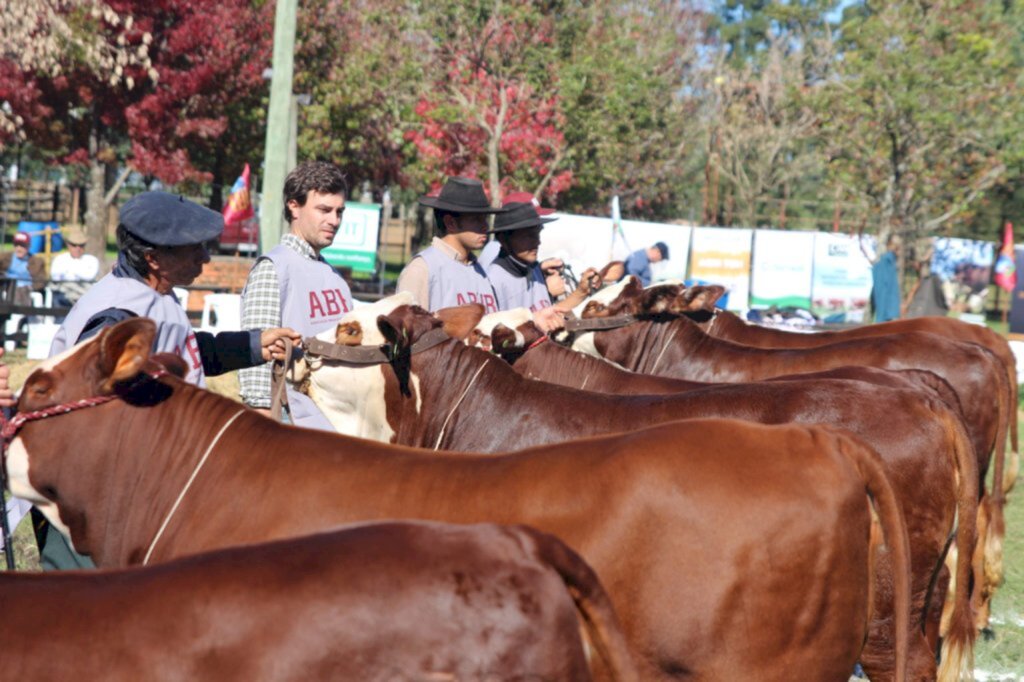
(261, 309)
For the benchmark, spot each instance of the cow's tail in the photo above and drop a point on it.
(1013, 469)
(594, 608)
(997, 525)
(890, 516)
(958, 643)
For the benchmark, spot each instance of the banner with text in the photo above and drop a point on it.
(587, 241)
(782, 269)
(722, 256)
(842, 274)
(355, 244)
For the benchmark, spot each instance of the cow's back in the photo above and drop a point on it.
(380, 602)
(694, 528)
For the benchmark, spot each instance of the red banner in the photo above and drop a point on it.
(1006, 266)
(239, 205)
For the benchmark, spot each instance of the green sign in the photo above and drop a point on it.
(355, 244)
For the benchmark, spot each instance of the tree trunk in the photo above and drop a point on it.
(96, 209)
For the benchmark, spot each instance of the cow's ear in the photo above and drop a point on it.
(594, 309)
(702, 297)
(460, 321)
(124, 349)
(348, 334)
(174, 364)
(612, 272)
(392, 330)
(504, 339)
(715, 292)
(659, 299)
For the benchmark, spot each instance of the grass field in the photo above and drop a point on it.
(998, 658)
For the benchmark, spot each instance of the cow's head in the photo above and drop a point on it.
(633, 299)
(699, 297)
(354, 397)
(118, 361)
(507, 333)
(115, 363)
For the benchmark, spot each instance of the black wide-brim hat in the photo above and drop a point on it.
(518, 216)
(461, 195)
(164, 219)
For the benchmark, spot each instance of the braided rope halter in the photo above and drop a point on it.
(9, 428)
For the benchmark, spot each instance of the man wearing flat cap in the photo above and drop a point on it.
(162, 244)
(517, 277)
(447, 274)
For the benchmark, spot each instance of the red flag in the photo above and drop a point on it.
(239, 207)
(1006, 265)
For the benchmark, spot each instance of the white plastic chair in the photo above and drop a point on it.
(182, 295)
(221, 313)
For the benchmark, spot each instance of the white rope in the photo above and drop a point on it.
(664, 348)
(195, 472)
(472, 381)
(585, 380)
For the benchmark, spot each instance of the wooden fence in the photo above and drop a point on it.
(34, 200)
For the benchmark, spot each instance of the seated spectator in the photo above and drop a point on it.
(28, 271)
(639, 262)
(73, 270)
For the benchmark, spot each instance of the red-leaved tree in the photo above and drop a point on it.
(494, 111)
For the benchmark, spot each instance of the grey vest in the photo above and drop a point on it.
(530, 291)
(453, 283)
(173, 330)
(314, 297)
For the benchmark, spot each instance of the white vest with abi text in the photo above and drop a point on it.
(314, 297)
(174, 332)
(454, 283)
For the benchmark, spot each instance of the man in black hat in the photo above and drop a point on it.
(447, 273)
(162, 244)
(639, 262)
(517, 277)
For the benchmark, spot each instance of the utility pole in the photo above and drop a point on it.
(277, 152)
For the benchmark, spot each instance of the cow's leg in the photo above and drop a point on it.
(877, 659)
(940, 604)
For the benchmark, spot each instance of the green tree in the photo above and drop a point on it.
(922, 110)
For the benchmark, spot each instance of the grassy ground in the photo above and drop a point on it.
(1000, 657)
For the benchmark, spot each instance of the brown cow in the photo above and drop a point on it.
(390, 601)
(920, 441)
(730, 550)
(527, 350)
(671, 345)
(726, 325)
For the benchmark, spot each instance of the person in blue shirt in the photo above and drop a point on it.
(639, 262)
(27, 271)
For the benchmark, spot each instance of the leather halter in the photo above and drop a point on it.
(591, 324)
(370, 355)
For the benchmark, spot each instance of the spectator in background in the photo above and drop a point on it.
(28, 271)
(885, 282)
(639, 262)
(74, 269)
